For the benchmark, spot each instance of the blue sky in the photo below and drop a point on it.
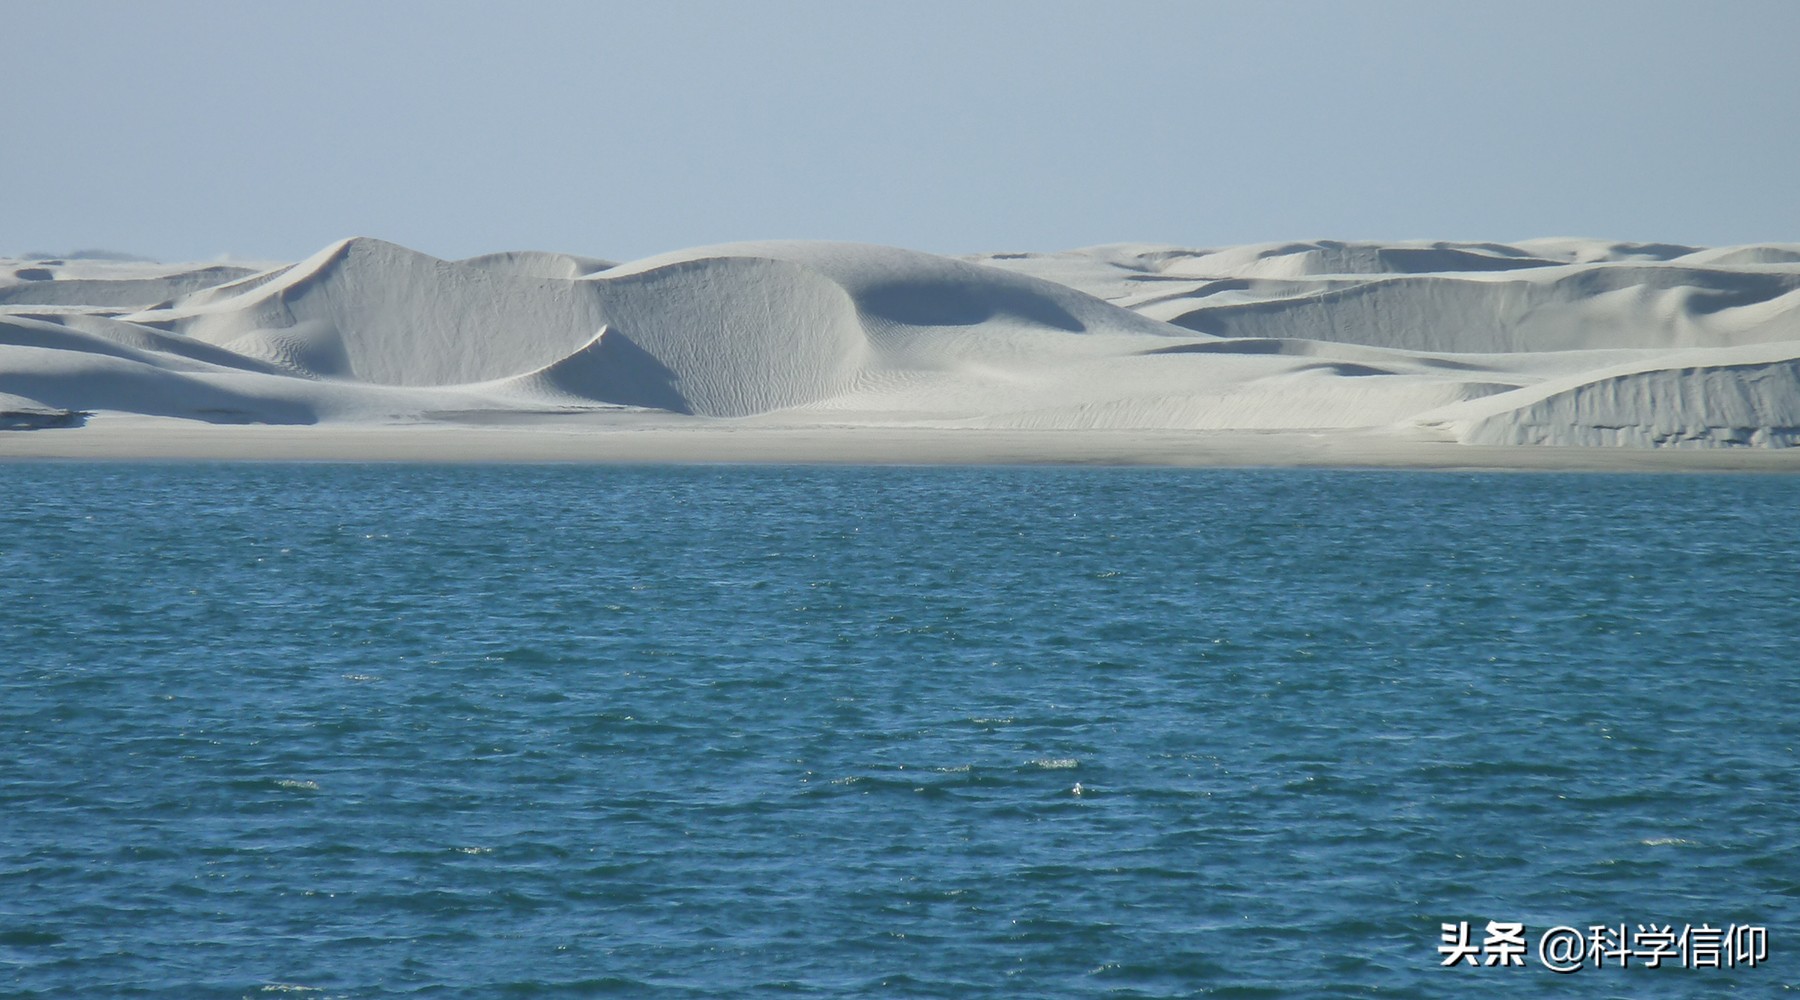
(187, 130)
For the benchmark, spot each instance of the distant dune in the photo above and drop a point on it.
(1545, 342)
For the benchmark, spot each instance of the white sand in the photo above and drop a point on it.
(1548, 353)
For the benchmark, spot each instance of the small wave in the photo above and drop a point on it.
(1666, 842)
(1056, 763)
(307, 786)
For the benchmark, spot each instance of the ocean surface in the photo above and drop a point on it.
(527, 731)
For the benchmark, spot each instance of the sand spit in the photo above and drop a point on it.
(1546, 353)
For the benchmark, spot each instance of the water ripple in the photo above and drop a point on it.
(364, 731)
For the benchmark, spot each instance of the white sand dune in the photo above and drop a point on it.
(379, 313)
(1738, 396)
(1544, 295)
(100, 284)
(1544, 342)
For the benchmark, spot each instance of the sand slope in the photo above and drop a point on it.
(1742, 396)
(381, 313)
(1545, 295)
(1543, 342)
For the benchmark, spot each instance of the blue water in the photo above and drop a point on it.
(667, 732)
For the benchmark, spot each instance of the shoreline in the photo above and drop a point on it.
(679, 442)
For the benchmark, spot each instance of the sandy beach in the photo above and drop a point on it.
(651, 439)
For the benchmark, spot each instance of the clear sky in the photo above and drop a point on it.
(264, 130)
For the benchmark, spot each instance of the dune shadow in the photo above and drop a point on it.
(44, 419)
(1737, 291)
(1346, 368)
(1247, 345)
(615, 369)
(943, 303)
(1201, 320)
(1425, 260)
